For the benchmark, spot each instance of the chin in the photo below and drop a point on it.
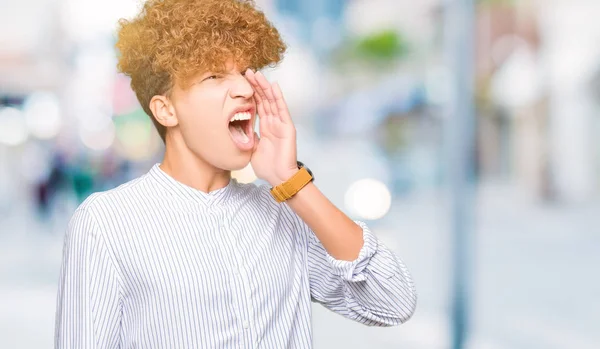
(238, 162)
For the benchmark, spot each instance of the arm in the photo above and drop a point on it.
(350, 271)
(88, 304)
(341, 237)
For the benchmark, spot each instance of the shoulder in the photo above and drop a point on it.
(124, 198)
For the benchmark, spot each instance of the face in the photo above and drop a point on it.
(215, 118)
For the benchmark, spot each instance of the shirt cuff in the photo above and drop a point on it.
(352, 270)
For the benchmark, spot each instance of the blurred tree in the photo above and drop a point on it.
(382, 49)
(385, 45)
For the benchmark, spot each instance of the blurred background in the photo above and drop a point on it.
(466, 134)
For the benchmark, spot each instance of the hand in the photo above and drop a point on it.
(274, 156)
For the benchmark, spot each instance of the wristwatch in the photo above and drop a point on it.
(289, 188)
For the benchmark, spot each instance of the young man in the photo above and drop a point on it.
(186, 257)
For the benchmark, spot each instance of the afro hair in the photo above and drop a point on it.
(170, 41)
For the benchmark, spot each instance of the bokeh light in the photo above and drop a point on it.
(136, 138)
(368, 198)
(43, 115)
(13, 130)
(94, 120)
(123, 98)
(98, 138)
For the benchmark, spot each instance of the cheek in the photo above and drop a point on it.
(203, 126)
(201, 115)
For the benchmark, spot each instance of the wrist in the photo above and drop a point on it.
(277, 180)
(291, 182)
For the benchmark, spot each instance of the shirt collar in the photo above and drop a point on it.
(184, 192)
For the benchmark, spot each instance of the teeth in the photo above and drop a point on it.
(241, 116)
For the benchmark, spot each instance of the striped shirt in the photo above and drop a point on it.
(154, 263)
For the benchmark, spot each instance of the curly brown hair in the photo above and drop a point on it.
(171, 41)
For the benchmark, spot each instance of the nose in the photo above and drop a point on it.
(241, 88)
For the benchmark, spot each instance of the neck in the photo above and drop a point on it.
(185, 167)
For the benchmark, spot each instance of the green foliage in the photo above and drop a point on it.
(377, 50)
(384, 45)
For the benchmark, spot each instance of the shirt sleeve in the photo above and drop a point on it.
(376, 289)
(88, 304)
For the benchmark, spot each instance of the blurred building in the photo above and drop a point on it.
(538, 115)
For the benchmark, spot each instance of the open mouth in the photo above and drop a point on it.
(240, 127)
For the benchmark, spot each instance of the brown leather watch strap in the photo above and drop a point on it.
(289, 188)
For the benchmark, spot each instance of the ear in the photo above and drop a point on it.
(163, 111)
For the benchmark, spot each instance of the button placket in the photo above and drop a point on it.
(242, 284)
(236, 282)
(240, 281)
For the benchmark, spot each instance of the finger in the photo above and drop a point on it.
(282, 107)
(267, 91)
(262, 117)
(261, 107)
(252, 78)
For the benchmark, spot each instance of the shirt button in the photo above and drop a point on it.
(246, 325)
